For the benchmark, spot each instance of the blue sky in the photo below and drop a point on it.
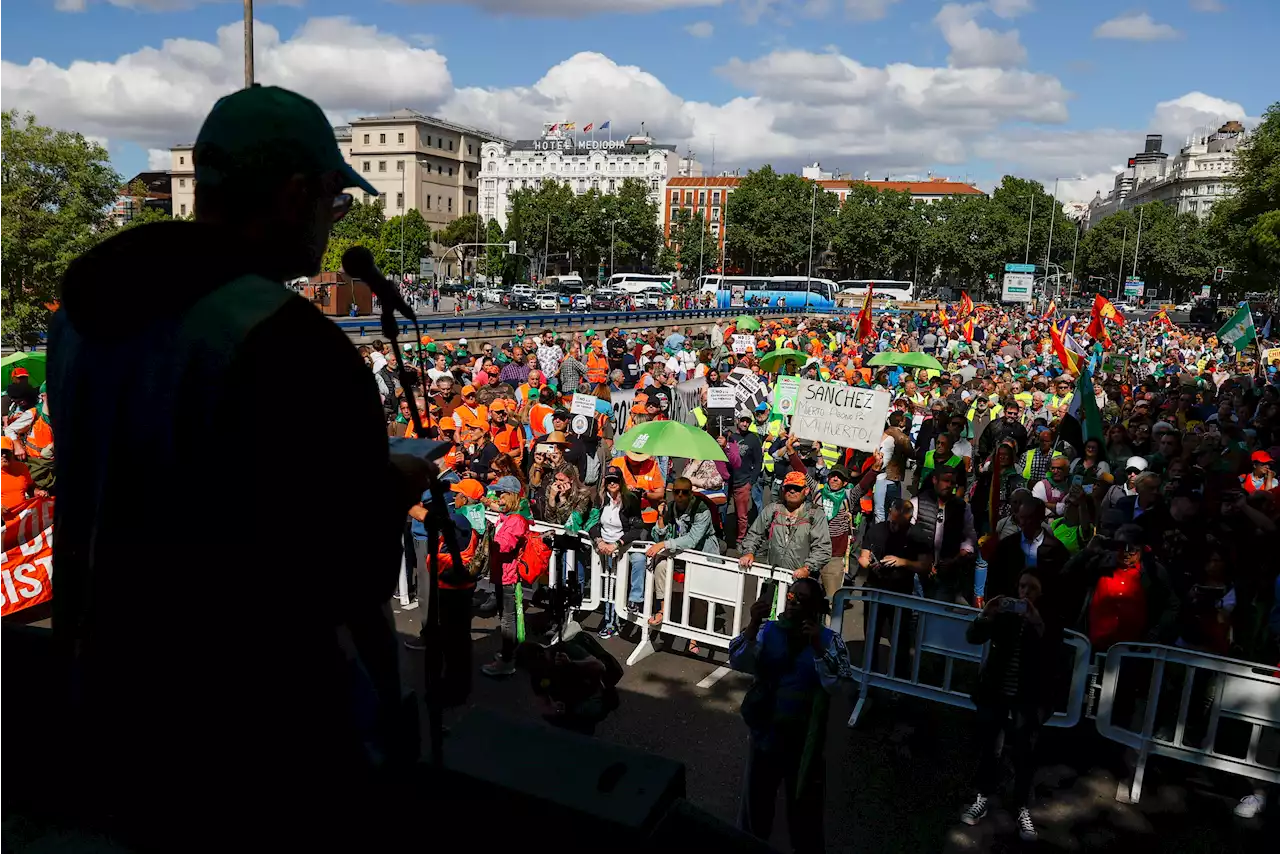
(1039, 87)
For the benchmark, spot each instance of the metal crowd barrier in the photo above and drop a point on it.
(1235, 690)
(939, 630)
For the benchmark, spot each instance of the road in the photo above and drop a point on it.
(898, 782)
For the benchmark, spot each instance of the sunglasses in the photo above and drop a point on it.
(682, 491)
(793, 488)
(341, 205)
(473, 394)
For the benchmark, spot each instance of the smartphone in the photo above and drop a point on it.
(1077, 480)
(1013, 606)
(542, 448)
(1088, 489)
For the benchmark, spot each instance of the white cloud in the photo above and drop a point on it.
(867, 10)
(974, 46)
(152, 5)
(1010, 8)
(1207, 6)
(1135, 27)
(1178, 117)
(701, 29)
(571, 8)
(156, 97)
(158, 159)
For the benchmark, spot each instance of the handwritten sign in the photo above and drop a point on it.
(840, 415)
(583, 404)
(744, 344)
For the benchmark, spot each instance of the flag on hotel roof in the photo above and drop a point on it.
(588, 127)
(604, 126)
(568, 126)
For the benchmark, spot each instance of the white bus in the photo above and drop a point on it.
(795, 291)
(634, 283)
(880, 288)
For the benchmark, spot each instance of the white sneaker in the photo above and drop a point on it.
(498, 667)
(1251, 806)
(1026, 828)
(976, 811)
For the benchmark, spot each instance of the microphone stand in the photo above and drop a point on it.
(433, 660)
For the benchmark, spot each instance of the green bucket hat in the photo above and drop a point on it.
(265, 132)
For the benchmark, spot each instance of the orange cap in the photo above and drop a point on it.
(794, 478)
(468, 389)
(498, 405)
(470, 487)
(6, 444)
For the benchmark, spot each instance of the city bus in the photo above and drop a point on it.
(880, 289)
(634, 283)
(797, 292)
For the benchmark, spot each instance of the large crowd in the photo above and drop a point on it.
(1148, 514)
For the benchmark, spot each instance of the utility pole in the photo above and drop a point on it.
(248, 43)
(403, 200)
(1137, 243)
(1120, 270)
(1026, 259)
(612, 228)
(813, 219)
(1074, 250)
(1053, 215)
(546, 247)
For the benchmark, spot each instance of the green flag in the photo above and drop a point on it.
(1239, 330)
(1084, 408)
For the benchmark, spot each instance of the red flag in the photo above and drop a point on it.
(966, 304)
(1098, 331)
(967, 326)
(1070, 361)
(1104, 310)
(942, 317)
(866, 328)
(1051, 310)
(1162, 316)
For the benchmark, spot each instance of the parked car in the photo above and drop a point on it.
(605, 301)
(524, 303)
(548, 301)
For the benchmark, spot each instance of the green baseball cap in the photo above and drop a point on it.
(266, 132)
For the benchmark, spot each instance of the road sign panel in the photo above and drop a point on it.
(1019, 268)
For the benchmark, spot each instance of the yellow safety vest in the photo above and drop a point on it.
(1026, 463)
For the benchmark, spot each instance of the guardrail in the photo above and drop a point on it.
(1234, 690)
(939, 630)
(364, 326)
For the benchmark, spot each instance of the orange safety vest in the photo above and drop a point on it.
(508, 441)
(597, 367)
(444, 563)
(537, 417)
(1246, 482)
(468, 419)
(39, 436)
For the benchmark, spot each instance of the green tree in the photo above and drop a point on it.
(540, 222)
(1246, 224)
(1174, 253)
(491, 262)
(1102, 249)
(769, 218)
(362, 226)
(416, 240)
(637, 235)
(692, 243)
(467, 228)
(57, 191)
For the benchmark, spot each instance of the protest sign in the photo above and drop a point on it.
(744, 344)
(583, 404)
(721, 398)
(840, 415)
(786, 393)
(26, 569)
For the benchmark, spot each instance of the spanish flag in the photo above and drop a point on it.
(1162, 316)
(966, 304)
(568, 126)
(967, 326)
(1070, 361)
(1104, 310)
(1051, 310)
(866, 328)
(942, 317)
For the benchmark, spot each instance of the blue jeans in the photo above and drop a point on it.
(757, 497)
(885, 491)
(635, 587)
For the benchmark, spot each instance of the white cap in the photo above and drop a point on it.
(1138, 463)
(462, 342)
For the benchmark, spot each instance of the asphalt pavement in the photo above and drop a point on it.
(898, 782)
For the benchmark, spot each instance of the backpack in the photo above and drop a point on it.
(535, 559)
(478, 566)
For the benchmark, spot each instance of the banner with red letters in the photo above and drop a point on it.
(26, 572)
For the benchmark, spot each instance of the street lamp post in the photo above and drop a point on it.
(612, 228)
(1053, 215)
(813, 219)
(1026, 258)
(1074, 250)
(1120, 270)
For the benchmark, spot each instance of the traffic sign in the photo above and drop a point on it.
(1019, 268)
(1017, 287)
(1133, 286)
(426, 266)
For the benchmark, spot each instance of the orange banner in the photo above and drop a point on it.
(26, 572)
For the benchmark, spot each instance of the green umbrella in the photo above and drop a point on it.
(905, 360)
(34, 363)
(746, 322)
(670, 439)
(776, 359)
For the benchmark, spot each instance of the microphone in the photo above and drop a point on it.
(357, 262)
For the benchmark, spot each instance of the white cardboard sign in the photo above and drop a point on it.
(840, 415)
(721, 397)
(583, 404)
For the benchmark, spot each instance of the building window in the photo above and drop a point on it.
(451, 145)
(439, 142)
(468, 148)
(182, 182)
(673, 215)
(439, 169)
(366, 139)
(428, 202)
(183, 211)
(366, 198)
(182, 161)
(450, 171)
(715, 197)
(702, 198)
(653, 186)
(451, 204)
(439, 200)
(382, 166)
(688, 197)
(493, 167)
(468, 206)
(382, 200)
(382, 139)
(364, 167)
(675, 195)
(399, 165)
(400, 137)
(400, 200)
(428, 140)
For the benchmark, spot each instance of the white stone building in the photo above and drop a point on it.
(581, 162)
(1192, 181)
